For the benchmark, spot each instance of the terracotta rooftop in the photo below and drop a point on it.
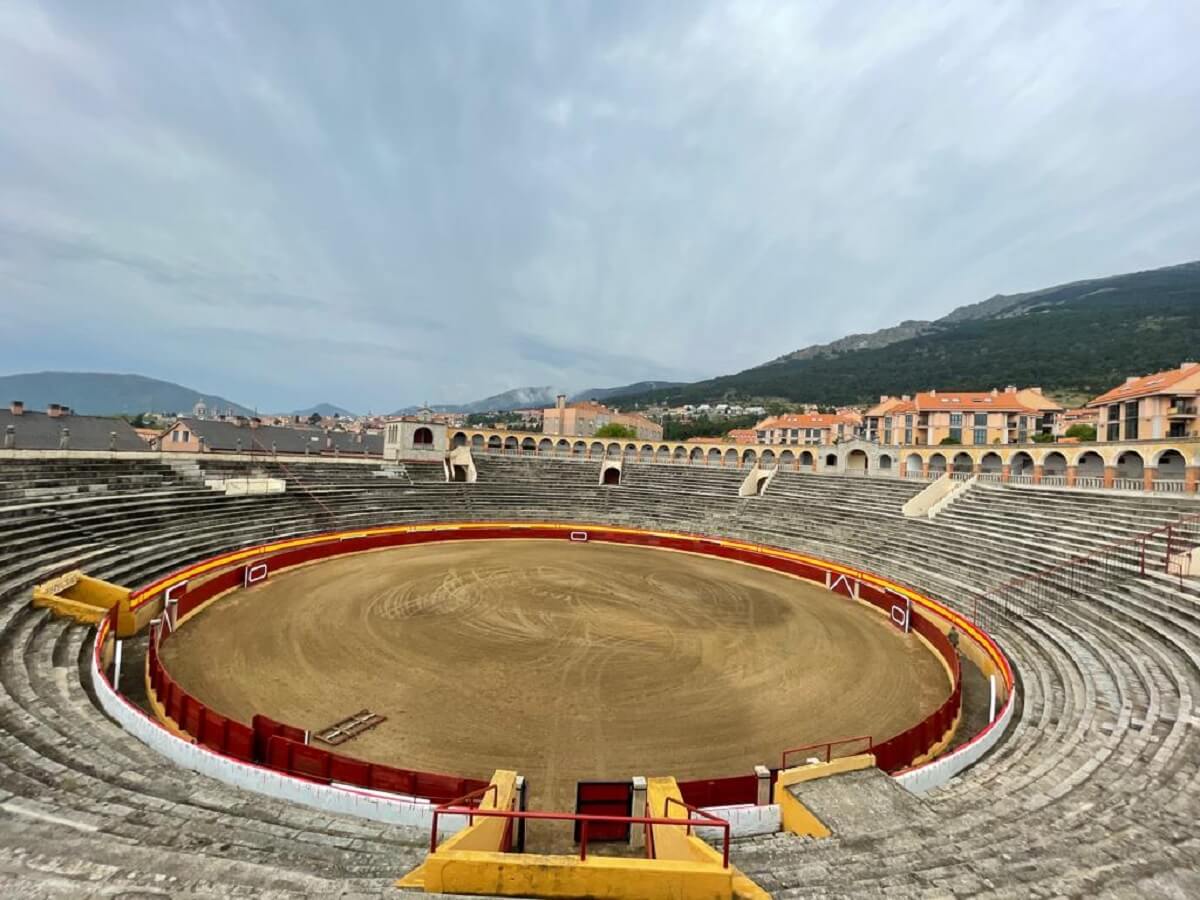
(1148, 385)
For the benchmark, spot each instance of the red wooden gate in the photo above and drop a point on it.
(604, 798)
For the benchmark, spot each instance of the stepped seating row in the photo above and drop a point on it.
(1103, 755)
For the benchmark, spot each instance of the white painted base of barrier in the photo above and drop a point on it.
(364, 804)
(744, 821)
(935, 774)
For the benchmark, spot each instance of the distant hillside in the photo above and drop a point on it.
(323, 409)
(100, 393)
(538, 398)
(1075, 339)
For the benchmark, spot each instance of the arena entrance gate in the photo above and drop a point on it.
(604, 798)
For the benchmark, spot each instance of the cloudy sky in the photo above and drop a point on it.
(379, 203)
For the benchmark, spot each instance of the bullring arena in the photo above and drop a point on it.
(800, 689)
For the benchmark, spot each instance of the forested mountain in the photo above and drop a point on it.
(105, 393)
(1073, 340)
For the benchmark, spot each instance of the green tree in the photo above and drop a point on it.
(1041, 438)
(615, 430)
(947, 441)
(1082, 432)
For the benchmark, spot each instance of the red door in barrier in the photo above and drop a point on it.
(604, 798)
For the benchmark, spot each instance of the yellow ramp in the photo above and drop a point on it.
(77, 596)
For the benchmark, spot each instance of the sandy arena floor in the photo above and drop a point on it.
(562, 661)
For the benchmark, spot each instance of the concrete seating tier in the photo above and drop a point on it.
(1094, 790)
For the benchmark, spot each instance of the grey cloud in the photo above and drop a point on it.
(448, 200)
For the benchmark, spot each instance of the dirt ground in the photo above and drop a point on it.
(562, 661)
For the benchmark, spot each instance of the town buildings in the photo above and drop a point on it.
(249, 434)
(1149, 407)
(1011, 416)
(807, 428)
(58, 428)
(586, 418)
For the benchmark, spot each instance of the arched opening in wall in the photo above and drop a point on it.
(579, 448)
(460, 439)
(913, 464)
(562, 448)
(760, 486)
(806, 459)
(714, 456)
(494, 442)
(1054, 464)
(731, 457)
(510, 443)
(647, 454)
(1130, 465)
(631, 452)
(680, 453)
(1171, 466)
(697, 455)
(963, 463)
(528, 444)
(477, 441)
(991, 463)
(612, 476)
(662, 455)
(937, 463)
(423, 438)
(545, 445)
(767, 460)
(458, 473)
(597, 448)
(885, 463)
(787, 458)
(614, 450)
(831, 460)
(1090, 465)
(857, 462)
(749, 457)
(1020, 464)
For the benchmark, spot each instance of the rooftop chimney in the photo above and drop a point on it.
(54, 411)
(995, 392)
(560, 402)
(17, 408)
(1187, 365)
(1129, 379)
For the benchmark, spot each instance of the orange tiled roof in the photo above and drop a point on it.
(1147, 385)
(974, 401)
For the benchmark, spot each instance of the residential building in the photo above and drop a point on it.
(743, 436)
(1080, 416)
(58, 428)
(806, 428)
(1011, 416)
(585, 418)
(250, 435)
(1160, 405)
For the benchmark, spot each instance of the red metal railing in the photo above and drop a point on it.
(828, 747)
(1137, 555)
(703, 819)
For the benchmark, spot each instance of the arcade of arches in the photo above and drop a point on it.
(1157, 465)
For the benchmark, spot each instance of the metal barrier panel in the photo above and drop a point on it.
(604, 798)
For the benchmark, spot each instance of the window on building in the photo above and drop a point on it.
(980, 436)
(981, 420)
(185, 437)
(908, 435)
(1113, 431)
(1131, 421)
(956, 434)
(887, 436)
(955, 420)
(174, 437)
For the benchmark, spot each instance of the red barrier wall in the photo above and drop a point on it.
(255, 742)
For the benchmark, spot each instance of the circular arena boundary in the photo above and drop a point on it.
(275, 759)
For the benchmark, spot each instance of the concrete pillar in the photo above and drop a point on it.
(764, 785)
(1191, 479)
(201, 442)
(637, 833)
(112, 440)
(1148, 478)
(1037, 473)
(925, 470)
(1005, 473)
(1110, 476)
(1071, 472)
(64, 439)
(976, 468)
(10, 437)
